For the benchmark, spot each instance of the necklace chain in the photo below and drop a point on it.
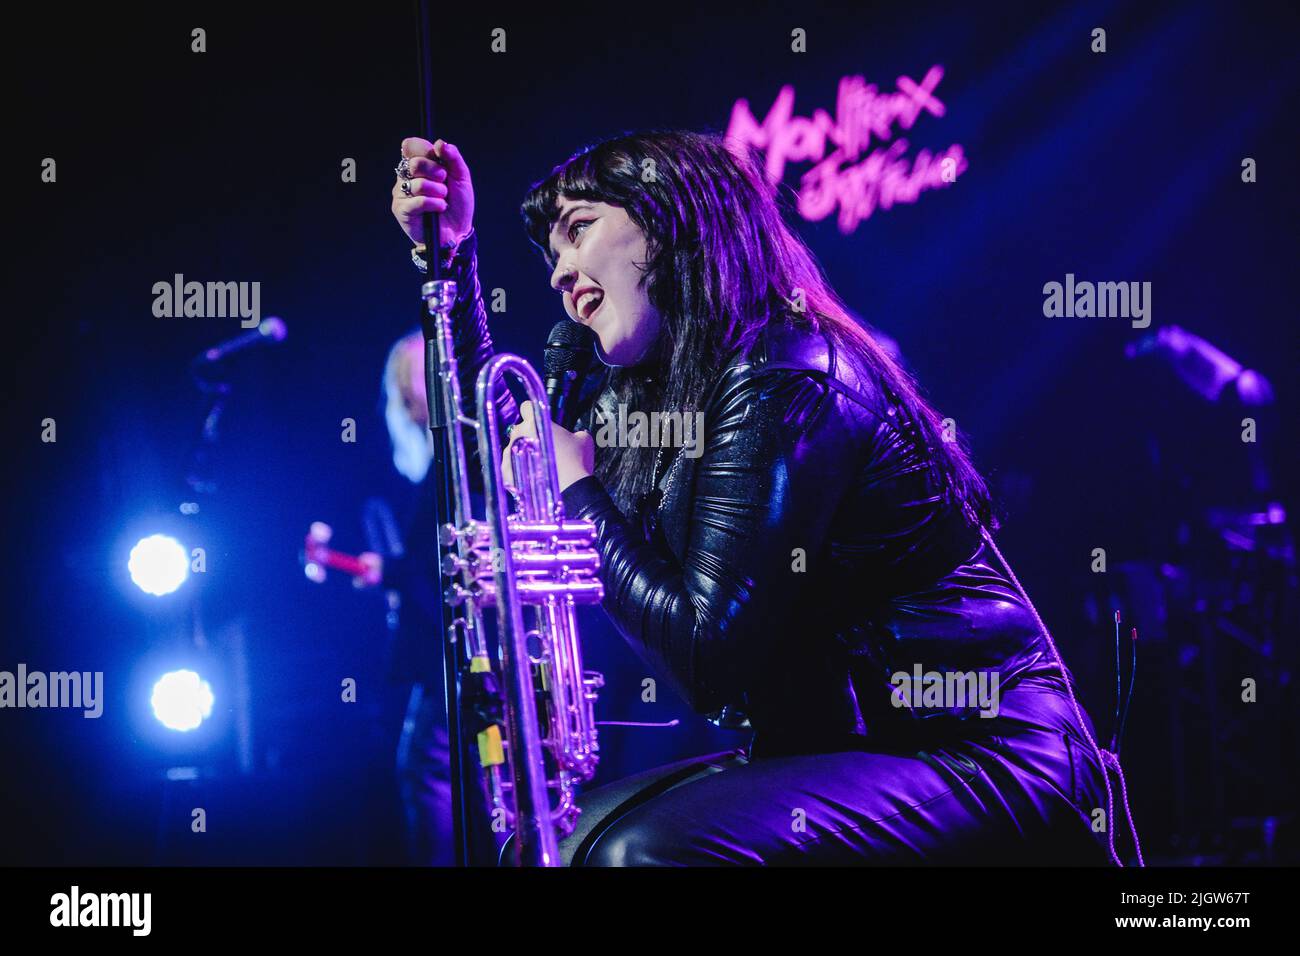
(659, 460)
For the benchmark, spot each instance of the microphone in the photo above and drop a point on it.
(1205, 369)
(270, 329)
(570, 350)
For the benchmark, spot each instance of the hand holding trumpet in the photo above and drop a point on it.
(575, 452)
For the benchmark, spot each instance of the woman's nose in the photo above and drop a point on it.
(563, 277)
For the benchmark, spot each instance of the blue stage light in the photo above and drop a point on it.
(181, 700)
(158, 564)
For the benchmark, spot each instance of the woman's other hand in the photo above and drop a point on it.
(440, 182)
(575, 452)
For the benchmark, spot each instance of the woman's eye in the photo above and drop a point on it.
(575, 225)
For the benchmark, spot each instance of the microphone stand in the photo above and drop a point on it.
(436, 298)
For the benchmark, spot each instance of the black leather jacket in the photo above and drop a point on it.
(801, 559)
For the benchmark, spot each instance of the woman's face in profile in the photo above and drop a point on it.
(598, 251)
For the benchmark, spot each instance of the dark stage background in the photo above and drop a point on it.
(1122, 166)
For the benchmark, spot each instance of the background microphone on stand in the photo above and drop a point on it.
(1206, 369)
(205, 370)
(270, 329)
(570, 350)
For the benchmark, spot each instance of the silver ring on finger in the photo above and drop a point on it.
(403, 168)
(406, 187)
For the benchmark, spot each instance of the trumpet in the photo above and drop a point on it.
(533, 568)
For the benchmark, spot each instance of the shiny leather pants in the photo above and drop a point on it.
(1021, 791)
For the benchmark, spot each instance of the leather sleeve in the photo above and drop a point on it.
(764, 486)
(472, 345)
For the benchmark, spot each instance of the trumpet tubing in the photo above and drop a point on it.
(533, 568)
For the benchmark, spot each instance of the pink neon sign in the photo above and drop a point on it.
(858, 185)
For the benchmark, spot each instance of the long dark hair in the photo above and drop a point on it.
(721, 264)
